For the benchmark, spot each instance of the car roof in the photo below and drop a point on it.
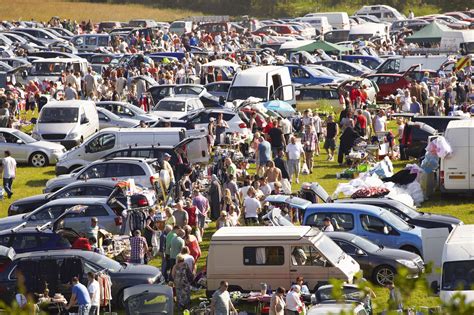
(68, 104)
(78, 201)
(57, 252)
(316, 87)
(124, 159)
(342, 235)
(263, 233)
(180, 97)
(347, 207)
(92, 182)
(26, 230)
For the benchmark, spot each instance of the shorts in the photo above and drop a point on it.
(330, 143)
(201, 221)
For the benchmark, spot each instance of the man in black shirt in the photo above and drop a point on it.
(277, 139)
(281, 164)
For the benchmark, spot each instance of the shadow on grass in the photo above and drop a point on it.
(36, 183)
(50, 172)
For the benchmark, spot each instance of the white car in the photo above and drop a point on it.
(107, 119)
(143, 171)
(26, 149)
(177, 106)
(127, 110)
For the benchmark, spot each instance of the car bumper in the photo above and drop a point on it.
(54, 157)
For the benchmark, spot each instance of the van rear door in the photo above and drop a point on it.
(456, 166)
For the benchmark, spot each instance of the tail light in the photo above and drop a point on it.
(118, 221)
(142, 202)
(441, 178)
(242, 125)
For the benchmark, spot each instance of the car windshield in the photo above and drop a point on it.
(48, 68)
(106, 263)
(365, 244)
(455, 275)
(348, 293)
(395, 221)
(149, 303)
(244, 92)
(23, 136)
(170, 106)
(409, 211)
(58, 115)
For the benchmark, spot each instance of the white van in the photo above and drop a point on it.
(457, 169)
(68, 122)
(399, 64)
(367, 30)
(181, 27)
(275, 255)
(264, 82)
(50, 69)
(384, 13)
(111, 139)
(320, 23)
(338, 20)
(455, 257)
(91, 42)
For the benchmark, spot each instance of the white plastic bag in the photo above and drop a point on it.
(286, 186)
(304, 169)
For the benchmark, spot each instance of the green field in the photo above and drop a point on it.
(30, 181)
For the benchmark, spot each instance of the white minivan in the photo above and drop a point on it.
(320, 23)
(51, 69)
(181, 27)
(265, 82)
(111, 139)
(68, 122)
(338, 20)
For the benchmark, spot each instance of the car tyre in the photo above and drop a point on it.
(38, 159)
(383, 274)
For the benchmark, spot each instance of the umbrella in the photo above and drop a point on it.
(280, 107)
(221, 63)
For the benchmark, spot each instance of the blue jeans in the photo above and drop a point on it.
(7, 184)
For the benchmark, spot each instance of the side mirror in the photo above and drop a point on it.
(24, 74)
(360, 252)
(434, 287)
(19, 141)
(84, 121)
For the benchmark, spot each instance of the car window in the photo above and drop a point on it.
(346, 247)
(103, 41)
(91, 40)
(48, 213)
(101, 143)
(95, 211)
(24, 241)
(372, 224)
(308, 256)
(4, 240)
(102, 117)
(122, 153)
(72, 192)
(98, 191)
(124, 170)
(340, 221)
(6, 137)
(142, 153)
(94, 171)
(268, 255)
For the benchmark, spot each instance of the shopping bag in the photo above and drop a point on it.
(305, 169)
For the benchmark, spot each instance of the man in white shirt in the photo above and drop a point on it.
(251, 207)
(293, 301)
(188, 259)
(9, 173)
(327, 225)
(94, 291)
(380, 122)
(70, 93)
(293, 153)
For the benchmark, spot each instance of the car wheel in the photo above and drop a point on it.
(39, 159)
(384, 274)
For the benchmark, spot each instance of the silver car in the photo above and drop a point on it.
(79, 222)
(128, 110)
(107, 119)
(25, 149)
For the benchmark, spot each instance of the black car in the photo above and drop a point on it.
(58, 267)
(415, 139)
(90, 188)
(29, 239)
(378, 263)
(440, 123)
(410, 215)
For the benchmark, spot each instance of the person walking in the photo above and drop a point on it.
(282, 164)
(182, 279)
(277, 302)
(177, 244)
(251, 207)
(263, 154)
(9, 173)
(310, 141)
(221, 304)
(293, 301)
(276, 138)
(294, 151)
(80, 297)
(138, 248)
(94, 291)
(332, 130)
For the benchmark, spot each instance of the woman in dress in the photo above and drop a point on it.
(192, 243)
(182, 278)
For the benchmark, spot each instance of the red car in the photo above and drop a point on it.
(281, 29)
(389, 83)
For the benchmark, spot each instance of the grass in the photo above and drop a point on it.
(30, 181)
(84, 11)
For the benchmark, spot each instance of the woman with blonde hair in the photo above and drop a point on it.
(227, 201)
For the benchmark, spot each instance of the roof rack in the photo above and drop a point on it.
(43, 227)
(18, 227)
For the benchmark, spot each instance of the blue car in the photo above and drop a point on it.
(370, 62)
(307, 75)
(376, 224)
(32, 239)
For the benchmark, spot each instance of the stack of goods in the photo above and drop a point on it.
(370, 192)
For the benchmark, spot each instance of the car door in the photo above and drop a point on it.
(18, 149)
(46, 214)
(99, 146)
(104, 121)
(125, 171)
(80, 222)
(358, 254)
(378, 231)
(25, 243)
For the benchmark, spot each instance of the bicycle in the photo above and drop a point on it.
(203, 308)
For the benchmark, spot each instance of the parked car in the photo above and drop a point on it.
(127, 110)
(346, 67)
(379, 225)
(110, 219)
(26, 149)
(30, 239)
(412, 216)
(324, 297)
(308, 94)
(81, 189)
(415, 139)
(149, 299)
(307, 75)
(379, 263)
(177, 106)
(141, 170)
(108, 119)
(219, 88)
(370, 62)
(159, 92)
(58, 267)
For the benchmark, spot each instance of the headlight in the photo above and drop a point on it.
(151, 280)
(72, 135)
(407, 263)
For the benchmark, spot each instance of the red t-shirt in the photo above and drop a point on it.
(81, 243)
(362, 121)
(267, 128)
(191, 215)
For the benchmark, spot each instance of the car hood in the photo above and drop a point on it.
(393, 253)
(133, 269)
(48, 146)
(439, 218)
(45, 128)
(31, 199)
